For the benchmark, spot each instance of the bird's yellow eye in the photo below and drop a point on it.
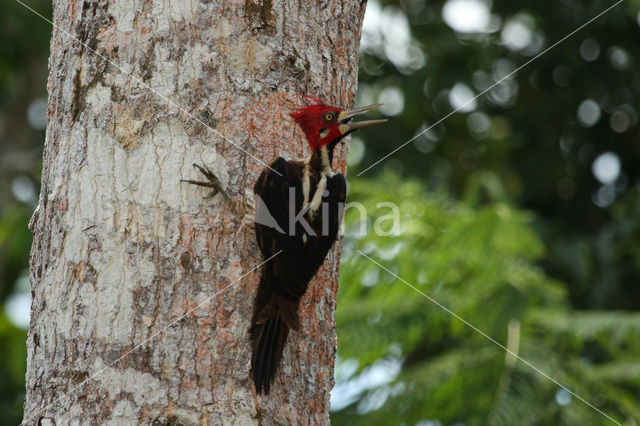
(328, 116)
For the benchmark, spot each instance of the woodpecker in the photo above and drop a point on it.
(296, 213)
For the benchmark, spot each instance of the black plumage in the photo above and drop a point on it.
(300, 253)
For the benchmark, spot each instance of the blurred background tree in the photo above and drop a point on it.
(561, 135)
(520, 212)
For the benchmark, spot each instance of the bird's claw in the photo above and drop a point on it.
(208, 174)
(212, 182)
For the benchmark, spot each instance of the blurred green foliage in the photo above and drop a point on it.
(525, 131)
(12, 370)
(479, 261)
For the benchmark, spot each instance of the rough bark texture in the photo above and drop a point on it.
(122, 248)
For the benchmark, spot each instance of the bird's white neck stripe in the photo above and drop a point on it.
(306, 184)
(325, 173)
(326, 163)
(317, 197)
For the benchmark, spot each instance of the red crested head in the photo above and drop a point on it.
(323, 124)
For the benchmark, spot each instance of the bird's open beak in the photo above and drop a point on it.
(345, 118)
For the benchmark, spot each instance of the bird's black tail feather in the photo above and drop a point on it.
(269, 338)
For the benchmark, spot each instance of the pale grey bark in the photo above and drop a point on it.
(121, 248)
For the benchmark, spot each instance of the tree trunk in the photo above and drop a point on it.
(122, 248)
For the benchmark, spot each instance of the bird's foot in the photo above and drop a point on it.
(212, 182)
(243, 208)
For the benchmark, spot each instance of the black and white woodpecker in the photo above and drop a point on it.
(297, 214)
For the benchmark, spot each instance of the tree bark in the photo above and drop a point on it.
(122, 248)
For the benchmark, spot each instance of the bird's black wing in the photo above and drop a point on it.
(271, 190)
(273, 316)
